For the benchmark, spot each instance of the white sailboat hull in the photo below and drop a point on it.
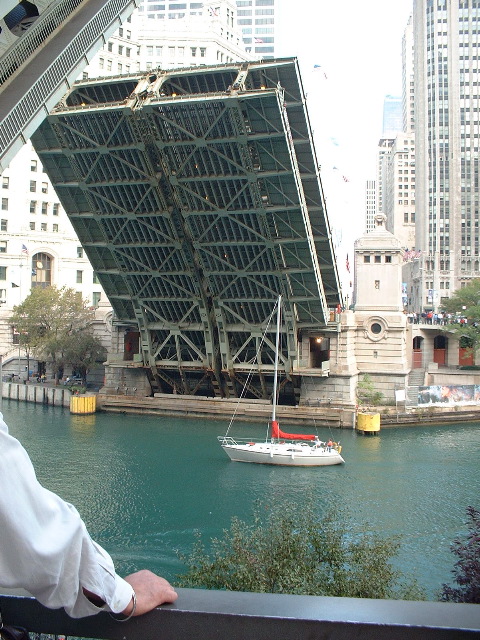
(284, 453)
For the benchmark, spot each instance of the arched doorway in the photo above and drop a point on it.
(465, 352)
(41, 270)
(440, 344)
(417, 353)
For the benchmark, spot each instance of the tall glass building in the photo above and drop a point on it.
(447, 123)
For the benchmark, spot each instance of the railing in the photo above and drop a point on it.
(220, 615)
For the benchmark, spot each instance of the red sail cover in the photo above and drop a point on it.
(276, 433)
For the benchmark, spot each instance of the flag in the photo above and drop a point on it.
(24, 250)
(316, 67)
(15, 286)
(258, 40)
(347, 264)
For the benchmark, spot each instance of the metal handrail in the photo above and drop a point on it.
(216, 615)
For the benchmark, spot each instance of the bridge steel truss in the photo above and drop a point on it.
(197, 198)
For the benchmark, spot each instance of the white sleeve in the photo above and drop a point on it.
(45, 547)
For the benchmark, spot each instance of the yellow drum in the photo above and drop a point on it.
(368, 423)
(83, 404)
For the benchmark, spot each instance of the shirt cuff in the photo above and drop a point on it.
(122, 595)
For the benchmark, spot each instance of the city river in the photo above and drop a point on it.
(145, 484)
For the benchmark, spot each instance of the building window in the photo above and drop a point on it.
(43, 226)
(44, 208)
(377, 284)
(3, 246)
(79, 252)
(4, 204)
(33, 206)
(3, 225)
(193, 51)
(95, 278)
(366, 259)
(55, 228)
(32, 226)
(120, 50)
(388, 259)
(3, 273)
(79, 279)
(44, 187)
(110, 47)
(56, 208)
(378, 259)
(96, 296)
(33, 185)
(41, 270)
(5, 182)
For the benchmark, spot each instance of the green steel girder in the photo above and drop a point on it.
(196, 196)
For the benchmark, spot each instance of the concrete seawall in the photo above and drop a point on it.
(222, 409)
(41, 394)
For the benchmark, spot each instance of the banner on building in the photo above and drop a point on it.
(441, 395)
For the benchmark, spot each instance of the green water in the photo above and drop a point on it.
(145, 484)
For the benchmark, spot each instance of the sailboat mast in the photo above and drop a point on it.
(277, 348)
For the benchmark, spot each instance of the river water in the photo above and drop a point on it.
(144, 484)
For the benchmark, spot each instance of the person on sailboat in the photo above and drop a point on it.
(329, 445)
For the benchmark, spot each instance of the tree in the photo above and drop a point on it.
(291, 550)
(366, 392)
(82, 350)
(54, 324)
(466, 571)
(466, 302)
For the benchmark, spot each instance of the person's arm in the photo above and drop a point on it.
(46, 549)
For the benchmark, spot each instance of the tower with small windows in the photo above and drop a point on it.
(378, 270)
(380, 320)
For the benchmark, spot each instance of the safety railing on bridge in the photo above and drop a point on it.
(21, 120)
(217, 615)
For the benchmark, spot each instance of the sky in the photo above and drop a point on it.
(350, 57)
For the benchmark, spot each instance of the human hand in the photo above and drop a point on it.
(151, 591)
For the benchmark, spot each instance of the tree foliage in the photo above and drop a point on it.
(366, 392)
(466, 302)
(466, 571)
(54, 324)
(291, 550)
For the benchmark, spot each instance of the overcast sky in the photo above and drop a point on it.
(357, 47)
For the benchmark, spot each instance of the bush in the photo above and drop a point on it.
(466, 571)
(292, 550)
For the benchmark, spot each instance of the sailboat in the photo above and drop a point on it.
(280, 448)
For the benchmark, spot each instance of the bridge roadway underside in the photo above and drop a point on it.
(197, 198)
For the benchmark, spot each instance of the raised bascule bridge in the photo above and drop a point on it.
(196, 195)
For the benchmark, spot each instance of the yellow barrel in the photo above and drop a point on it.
(368, 422)
(83, 404)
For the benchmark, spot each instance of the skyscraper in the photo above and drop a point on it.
(255, 18)
(392, 116)
(447, 123)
